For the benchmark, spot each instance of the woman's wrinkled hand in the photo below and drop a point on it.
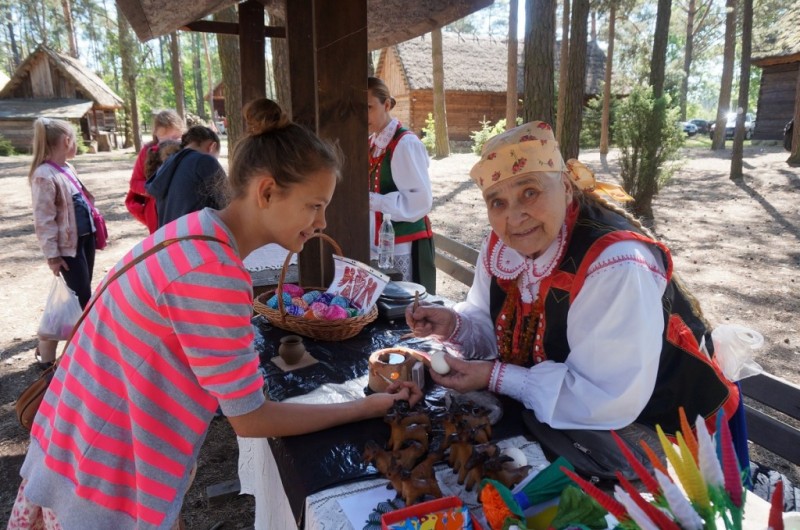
(430, 319)
(464, 376)
(56, 264)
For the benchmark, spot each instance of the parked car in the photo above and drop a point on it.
(730, 126)
(702, 125)
(787, 135)
(688, 127)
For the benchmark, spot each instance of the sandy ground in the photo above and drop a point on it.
(735, 244)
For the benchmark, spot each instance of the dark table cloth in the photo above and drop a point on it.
(314, 462)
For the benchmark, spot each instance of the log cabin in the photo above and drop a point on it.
(53, 85)
(474, 79)
(778, 56)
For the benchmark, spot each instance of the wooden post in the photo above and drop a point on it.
(329, 95)
(251, 51)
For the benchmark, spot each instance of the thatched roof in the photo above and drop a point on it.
(473, 64)
(23, 109)
(388, 21)
(781, 43)
(90, 84)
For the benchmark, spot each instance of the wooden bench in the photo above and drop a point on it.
(765, 427)
(455, 259)
(776, 396)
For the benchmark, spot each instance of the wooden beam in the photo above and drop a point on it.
(230, 28)
(329, 96)
(303, 80)
(251, 51)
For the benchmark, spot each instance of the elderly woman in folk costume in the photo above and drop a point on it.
(574, 310)
(399, 186)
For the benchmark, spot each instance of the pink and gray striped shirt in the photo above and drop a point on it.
(124, 418)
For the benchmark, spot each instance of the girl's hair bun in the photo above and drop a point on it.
(264, 115)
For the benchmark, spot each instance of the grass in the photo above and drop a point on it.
(702, 140)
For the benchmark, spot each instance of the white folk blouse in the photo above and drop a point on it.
(614, 330)
(414, 198)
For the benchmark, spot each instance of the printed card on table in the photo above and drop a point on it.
(358, 282)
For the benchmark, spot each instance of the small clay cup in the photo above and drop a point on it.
(291, 349)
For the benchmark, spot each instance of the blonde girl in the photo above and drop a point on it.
(167, 125)
(61, 216)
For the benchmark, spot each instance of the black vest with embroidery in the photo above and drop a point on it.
(685, 375)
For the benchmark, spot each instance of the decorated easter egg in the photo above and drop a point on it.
(273, 302)
(311, 296)
(293, 290)
(319, 309)
(325, 297)
(300, 302)
(352, 312)
(335, 312)
(340, 301)
(295, 311)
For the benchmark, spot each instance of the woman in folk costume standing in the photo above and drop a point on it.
(400, 186)
(574, 310)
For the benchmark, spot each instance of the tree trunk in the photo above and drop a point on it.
(197, 70)
(794, 158)
(512, 91)
(593, 32)
(177, 74)
(744, 91)
(658, 62)
(280, 63)
(650, 166)
(563, 61)
(724, 105)
(687, 56)
(569, 138)
(126, 49)
(539, 61)
(442, 148)
(210, 77)
(13, 39)
(605, 121)
(67, 9)
(228, 47)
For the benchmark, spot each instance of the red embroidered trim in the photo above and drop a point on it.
(621, 259)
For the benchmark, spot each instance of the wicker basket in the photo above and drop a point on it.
(331, 330)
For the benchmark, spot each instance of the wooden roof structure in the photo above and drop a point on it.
(388, 21)
(781, 43)
(65, 109)
(477, 64)
(87, 82)
(328, 43)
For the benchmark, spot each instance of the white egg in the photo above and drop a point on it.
(519, 457)
(438, 363)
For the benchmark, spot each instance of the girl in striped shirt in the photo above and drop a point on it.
(118, 433)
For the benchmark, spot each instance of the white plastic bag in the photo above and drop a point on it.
(733, 348)
(61, 312)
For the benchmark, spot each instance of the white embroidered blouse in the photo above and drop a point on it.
(414, 198)
(614, 330)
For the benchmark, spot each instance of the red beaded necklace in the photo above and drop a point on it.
(516, 333)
